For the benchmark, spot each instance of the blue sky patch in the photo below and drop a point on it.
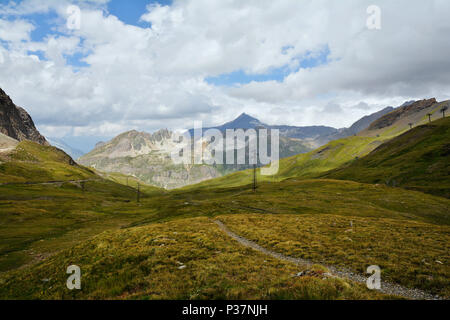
(130, 11)
(76, 60)
(239, 77)
(45, 25)
(40, 54)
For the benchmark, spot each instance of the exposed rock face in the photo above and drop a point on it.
(16, 123)
(402, 112)
(147, 157)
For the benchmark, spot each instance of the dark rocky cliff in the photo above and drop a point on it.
(16, 123)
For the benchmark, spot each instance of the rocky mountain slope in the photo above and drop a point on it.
(16, 123)
(147, 157)
(402, 112)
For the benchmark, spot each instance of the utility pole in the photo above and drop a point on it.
(138, 193)
(127, 181)
(254, 178)
(429, 116)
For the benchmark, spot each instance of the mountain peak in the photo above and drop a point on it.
(244, 121)
(244, 115)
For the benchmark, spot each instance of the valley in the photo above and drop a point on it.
(376, 197)
(148, 156)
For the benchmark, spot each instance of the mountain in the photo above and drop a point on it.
(134, 143)
(338, 152)
(147, 157)
(16, 123)
(365, 122)
(245, 121)
(355, 128)
(59, 143)
(312, 136)
(403, 112)
(342, 151)
(293, 140)
(26, 156)
(419, 159)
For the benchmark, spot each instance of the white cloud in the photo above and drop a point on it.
(152, 77)
(16, 30)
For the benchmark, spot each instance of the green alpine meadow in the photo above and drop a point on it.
(224, 155)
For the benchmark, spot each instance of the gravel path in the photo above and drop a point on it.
(386, 287)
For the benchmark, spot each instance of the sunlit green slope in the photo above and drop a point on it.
(418, 159)
(33, 163)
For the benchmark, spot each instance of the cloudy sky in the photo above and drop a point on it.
(148, 65)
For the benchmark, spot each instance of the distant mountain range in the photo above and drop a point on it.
(245, 121)
(314, 136)
(147, 156)
(61, 144)
(345, 151)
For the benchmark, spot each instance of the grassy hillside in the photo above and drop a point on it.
(130, 181)
(305, 166)
(32, 162)
(39, 216)
(418, 159)
(416, 254)
(37, 222)
(184, 259)
(338, 152)
(167, 246)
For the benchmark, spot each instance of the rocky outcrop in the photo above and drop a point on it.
(16, 123)
(404, 111)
